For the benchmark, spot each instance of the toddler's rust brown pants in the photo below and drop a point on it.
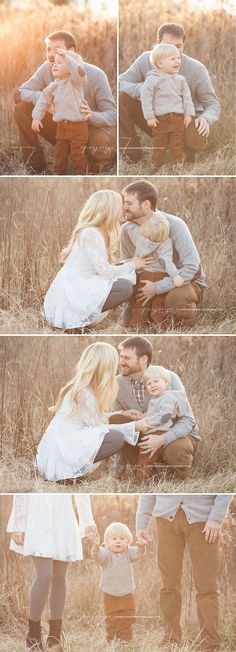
(119, 616)
(71, 138)
(168, 135)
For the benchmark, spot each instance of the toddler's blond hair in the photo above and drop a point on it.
(160, 51)
(157, 371)
(156, 228)
(117, 528)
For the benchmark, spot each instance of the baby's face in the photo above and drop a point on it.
(156, 385)
(170, 64)
(59, 68)
(117, 543)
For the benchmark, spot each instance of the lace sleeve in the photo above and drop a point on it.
(84, 511)
(94, 246)
(87, 409)
(18, 517)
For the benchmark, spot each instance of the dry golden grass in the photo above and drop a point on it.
(22, 36)
(83, 613)
(38, 215)
(210, 39)
(33, 369)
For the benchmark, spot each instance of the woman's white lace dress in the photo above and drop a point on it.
(71, 442)
(78, 293)
(50, 525)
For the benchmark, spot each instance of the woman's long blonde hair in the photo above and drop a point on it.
(101, 209)
(96, 369)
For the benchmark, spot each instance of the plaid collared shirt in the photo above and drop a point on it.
(138, 389)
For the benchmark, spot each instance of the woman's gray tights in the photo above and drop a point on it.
(50, 573)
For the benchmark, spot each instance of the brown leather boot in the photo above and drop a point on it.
(33, 641)
(54, 640)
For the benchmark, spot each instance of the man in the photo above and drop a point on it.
(194, 521)
(140, 200)
(98, 107)
(205, 102)
(131, 404)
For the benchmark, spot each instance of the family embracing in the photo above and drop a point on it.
(49, 528)
(142, 414)
(158, 273)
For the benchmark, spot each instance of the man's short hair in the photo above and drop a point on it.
(63, 36)
(140, 345)
(171, 28)
(144, 190)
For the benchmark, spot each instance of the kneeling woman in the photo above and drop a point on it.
(48, 528)
(79, 435)
(90, 283)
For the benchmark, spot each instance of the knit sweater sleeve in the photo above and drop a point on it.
(44, 101)
(187, 99)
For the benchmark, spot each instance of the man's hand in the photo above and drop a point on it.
(177, 280)
(202, 126)
(91, 533)
(36, 125)
(132, 414)
(143, 538)
(146, 293)
(153, 122)
(187, 120)
(212, 531)
(151, 444)
(18, 538)
(85, 109)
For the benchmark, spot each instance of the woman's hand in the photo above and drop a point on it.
(140, 263)
(151, 444)
(18, 538)
(91, 533)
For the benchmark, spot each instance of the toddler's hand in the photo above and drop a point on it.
(187, 120)
(153, 122)
(62, 53)
(178, 281)
(36, 125)
(142, 426)
(18, 538)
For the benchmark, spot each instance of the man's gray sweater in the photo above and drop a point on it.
(197, 77)
(97, 93)
(185, 254)
(212, 507)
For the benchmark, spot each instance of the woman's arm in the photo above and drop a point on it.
(92, 241)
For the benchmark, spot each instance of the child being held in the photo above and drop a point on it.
(116, 559)
(66, 93)
(152, 237)
(166, 103)
(163, 408)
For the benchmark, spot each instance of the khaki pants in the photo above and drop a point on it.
(179, 304)
(178, 455)
(119, 616)
(131, 116)
(168, 135)
(173, 536)
(101, 143)
(71, 138)
(154, 310)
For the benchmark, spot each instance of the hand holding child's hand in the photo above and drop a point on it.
(142, 426)
(153, 122)
(177, 280)
(143, 538)
(187, 120)
(36, 125)
(18, 538)
(91, 533)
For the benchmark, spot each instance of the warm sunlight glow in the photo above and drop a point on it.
(208, 5)
(102, 7)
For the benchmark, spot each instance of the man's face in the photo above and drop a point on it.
(130, 363)
(133, 208)
(178, 41)
(50, 49)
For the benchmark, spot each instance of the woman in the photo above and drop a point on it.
(90, 283)
(48, 528)
(79, 436)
